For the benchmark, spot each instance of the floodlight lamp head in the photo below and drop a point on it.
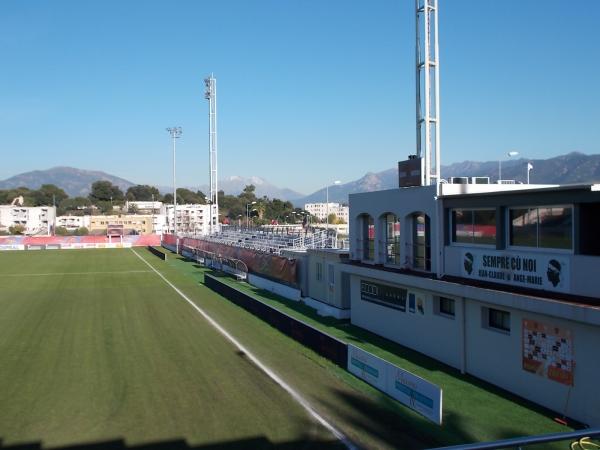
(175, 132)
(513, 153)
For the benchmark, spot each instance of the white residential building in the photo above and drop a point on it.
(144, 207)
(190, 218)
(319, 210)
(71, 223)
(35, 219)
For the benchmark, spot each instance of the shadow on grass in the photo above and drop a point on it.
(259, 443)
(344, 330)
(383, 418)
(396, 426)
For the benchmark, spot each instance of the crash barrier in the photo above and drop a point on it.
(157, 252)
(268, 265)
(325, 345)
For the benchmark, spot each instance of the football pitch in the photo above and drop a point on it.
(119, 349)
(96, 347)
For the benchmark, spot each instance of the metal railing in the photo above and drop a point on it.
(390, 250)
(270, 242)
(577, 438)
(233, 266)
(418, 256)
(365, 250)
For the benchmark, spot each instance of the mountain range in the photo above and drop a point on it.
(571, 168)
(75, 182)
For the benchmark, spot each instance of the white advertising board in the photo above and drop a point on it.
(12, 247)
(108, 245)
(367, 366)
(415, 392)
(550, 272)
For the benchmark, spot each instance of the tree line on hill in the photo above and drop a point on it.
(105, 197)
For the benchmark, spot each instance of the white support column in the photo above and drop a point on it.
(175, 133)
(427, 95)
(211, 95)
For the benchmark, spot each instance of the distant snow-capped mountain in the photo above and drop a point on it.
(574, 167)
(235, 184)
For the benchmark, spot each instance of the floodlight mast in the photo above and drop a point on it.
(210, 94)
(175, 133)
(428, 90)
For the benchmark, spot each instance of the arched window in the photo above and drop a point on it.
(392, 239)
(421, 242)
(367, 241)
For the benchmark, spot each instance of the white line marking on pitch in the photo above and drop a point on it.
(295, 395)
(72, 273)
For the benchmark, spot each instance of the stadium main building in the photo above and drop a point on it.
(498, 281)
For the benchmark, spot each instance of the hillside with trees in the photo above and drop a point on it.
(106, 197)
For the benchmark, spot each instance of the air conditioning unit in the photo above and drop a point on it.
(459, 180)
(480, 180)
(506, 182)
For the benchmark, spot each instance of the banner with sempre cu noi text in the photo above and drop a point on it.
(550, 272)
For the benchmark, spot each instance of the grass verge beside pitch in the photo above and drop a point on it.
(474, 410)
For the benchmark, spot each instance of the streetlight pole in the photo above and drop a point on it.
(248, 213)
(175, 133)
(509, 154)
(153, 214)
(327, 195)
(529, 169)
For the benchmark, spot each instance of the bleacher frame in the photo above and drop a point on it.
(271, 241)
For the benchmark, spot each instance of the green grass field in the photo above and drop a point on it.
(96, 347)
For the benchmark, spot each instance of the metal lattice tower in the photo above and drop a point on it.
(428, 90)
(175, 133)
(211, 95)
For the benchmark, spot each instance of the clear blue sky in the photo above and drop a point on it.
(308, 91)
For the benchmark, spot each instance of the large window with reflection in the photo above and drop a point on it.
(421, 242)
(474, 226)
(392, 239)
(368, 237)
(543, 227)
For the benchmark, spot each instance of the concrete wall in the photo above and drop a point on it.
(429, 333)
(325, 290)
(301, 268)
(276, 288)
(584, 275)
(497, 357)
(467, 343)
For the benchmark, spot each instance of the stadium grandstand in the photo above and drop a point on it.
(273, 239)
